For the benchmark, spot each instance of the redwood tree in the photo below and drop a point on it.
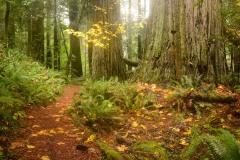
(108, 61)
(36, 30)
(183, 38)
(75, 53)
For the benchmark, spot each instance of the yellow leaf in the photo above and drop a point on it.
(34, 135)
(188, 120)
(30, 117)
(121, 148)
(60, 143)
(59, 128)
(164, 118)
(90, 139)
(35, 126)
(176, 129)
(30, 146)
(135, 124)
(161, 112)
(52, 131)
(57, 120)
(45, 158)
(144, 127)
(138, 114)
(125, 136)
(132, 118)
(188, 132)
(183, 142)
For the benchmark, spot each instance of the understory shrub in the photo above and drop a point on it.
(103, 101)
(24, 82)
(217, 144)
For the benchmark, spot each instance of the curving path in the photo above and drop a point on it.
(50, 133)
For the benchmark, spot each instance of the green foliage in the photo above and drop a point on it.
(110, 153)
(24, 82)
(150, 149)
(185, 90)
(220, 145)
(103, 101)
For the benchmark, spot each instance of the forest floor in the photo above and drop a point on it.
(50, 133)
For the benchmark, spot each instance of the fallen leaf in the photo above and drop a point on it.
(135, 124)
(144, 127)
(30, 117)
(125, 136)
(121, 148)
(188, 120)
(90, 139)
(30, 146)
(45, 158)
(35, 126)
(183, 142)
(57, 120)
(52, 131)
(60, 143)
(34, 135)
(188, 132)
(138, 114)
(176, 129)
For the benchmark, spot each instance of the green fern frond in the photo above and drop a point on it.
(151, 147)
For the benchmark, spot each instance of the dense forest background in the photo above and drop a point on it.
(166, 40)
(140, 79)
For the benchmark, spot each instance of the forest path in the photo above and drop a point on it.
(50, 134)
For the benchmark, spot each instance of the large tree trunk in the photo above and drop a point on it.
(37, 30)
(6, 18)
(108, 61)
(183, 38)
(75, 55)
(129, 33)
(56, 40)
(48, 35)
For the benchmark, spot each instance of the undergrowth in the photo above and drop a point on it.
(24, 82)
(216, 144)
(104, 101)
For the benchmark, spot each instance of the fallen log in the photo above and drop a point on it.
(130, 62)
(212, 97)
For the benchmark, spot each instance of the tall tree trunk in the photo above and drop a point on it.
(29, 30)
(139, 38)
(75, 55)
(37, 30)
(183, 39)
(48, 36)
(129, 30)
(108, 62)
(7, 15)
(56, 40)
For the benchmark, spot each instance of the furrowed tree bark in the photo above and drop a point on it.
(75, 53)
(37, 30)
(108, 62)
(183, 38)
(48, 35)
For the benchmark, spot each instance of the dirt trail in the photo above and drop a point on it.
(50, 133)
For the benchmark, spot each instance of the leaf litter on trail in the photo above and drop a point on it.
(45, 158)
(30, 146)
